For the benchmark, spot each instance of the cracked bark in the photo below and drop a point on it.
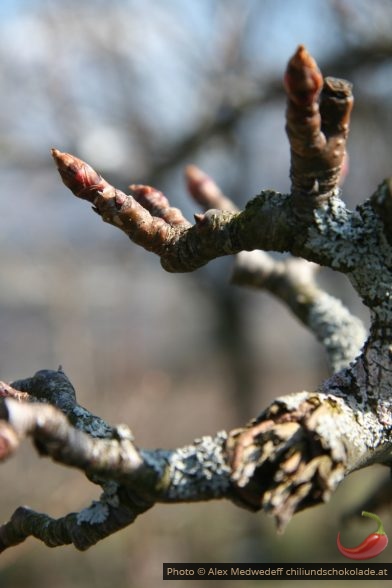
(296, 452)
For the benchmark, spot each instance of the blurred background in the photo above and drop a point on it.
(139, 88)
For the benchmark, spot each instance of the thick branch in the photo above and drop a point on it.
(267, 221)
(330, 235)
(53, 434)
(296, 452)
(82, 529)
(290, 457)
(292, 281)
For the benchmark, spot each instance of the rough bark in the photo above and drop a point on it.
(295, 453)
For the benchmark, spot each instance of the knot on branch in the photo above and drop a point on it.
(279, 462)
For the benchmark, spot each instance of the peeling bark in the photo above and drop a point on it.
(296, 452)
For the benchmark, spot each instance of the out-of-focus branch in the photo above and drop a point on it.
(295, 453)
(292, 281)
(205, 191)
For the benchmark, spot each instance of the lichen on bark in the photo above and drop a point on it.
(295, 453)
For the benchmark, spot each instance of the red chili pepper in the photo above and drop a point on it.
(370, 547)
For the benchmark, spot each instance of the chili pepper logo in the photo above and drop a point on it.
(370, 547)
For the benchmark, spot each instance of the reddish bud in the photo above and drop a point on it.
(205, 191)
(8, 440)
(78, 176)
(199, 184)
(303, 80)
(157, 204)
(151, 199)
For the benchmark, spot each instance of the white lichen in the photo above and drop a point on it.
(98, 511)
(200, 469)
(95, 514)
(341, 334)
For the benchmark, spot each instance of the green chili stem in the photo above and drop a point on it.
(380, 530)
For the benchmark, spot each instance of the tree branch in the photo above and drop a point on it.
(298, 450)
(293, 281)
(317, 130)
(290, 457)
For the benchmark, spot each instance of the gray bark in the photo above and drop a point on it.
(296, 452)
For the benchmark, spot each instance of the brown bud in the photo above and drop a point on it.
(303, 80)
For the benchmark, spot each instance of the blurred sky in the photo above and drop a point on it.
(139, 88)
(121, 87)
(163, 36)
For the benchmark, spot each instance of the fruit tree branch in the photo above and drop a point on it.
(295, 453)
(293, 281)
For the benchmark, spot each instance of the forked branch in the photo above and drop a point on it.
(298, 449)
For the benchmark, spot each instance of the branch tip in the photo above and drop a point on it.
(318, 118)
(205, 191)
(78, 176)
(157, 204)
(303, 80)
(197, 181)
